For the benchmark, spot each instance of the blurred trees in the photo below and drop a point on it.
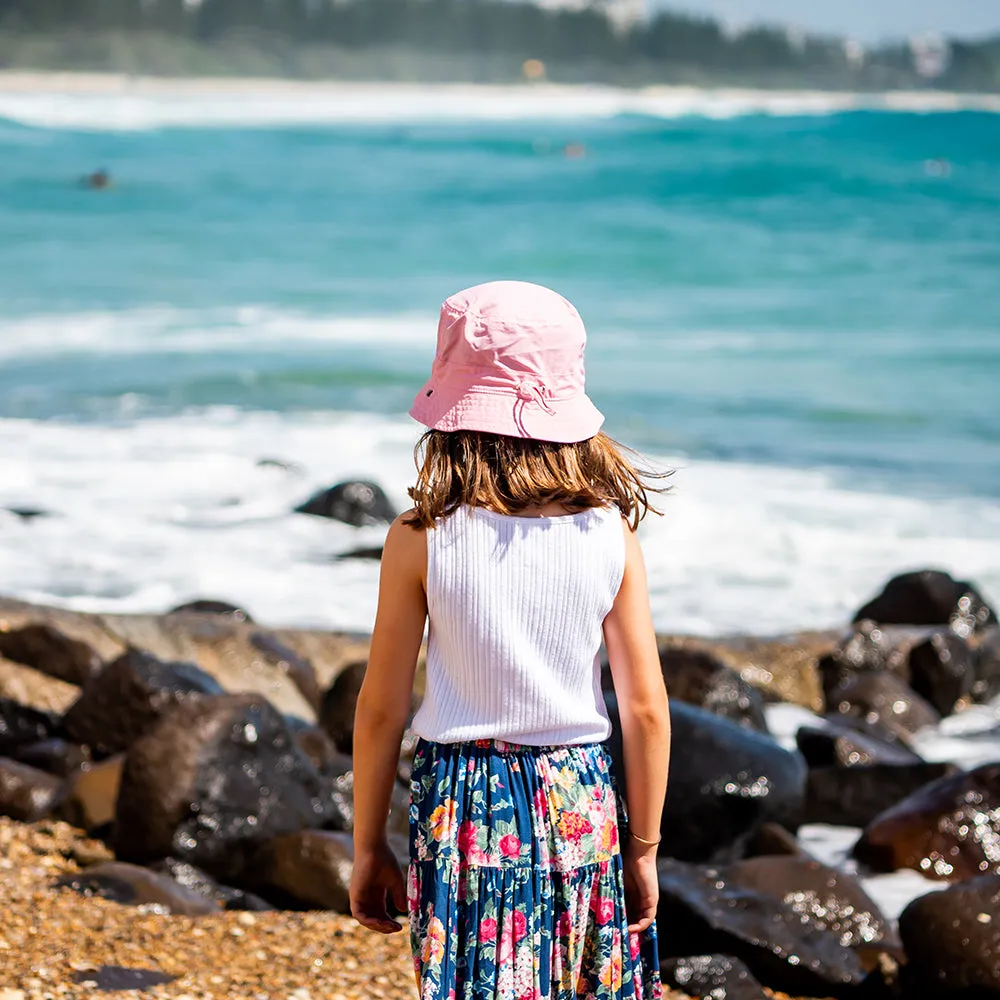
(668, 47)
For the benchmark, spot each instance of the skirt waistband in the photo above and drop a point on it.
(503, 746)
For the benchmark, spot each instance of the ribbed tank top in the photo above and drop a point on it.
(516, 607)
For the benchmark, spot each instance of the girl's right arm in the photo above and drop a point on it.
(645, 723)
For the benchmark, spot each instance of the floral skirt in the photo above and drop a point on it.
(515, 884)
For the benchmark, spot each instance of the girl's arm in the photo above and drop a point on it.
(645, 723)
(380, 718)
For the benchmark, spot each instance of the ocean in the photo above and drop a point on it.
(792, 300)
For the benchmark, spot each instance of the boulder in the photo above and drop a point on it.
(27, 513)
(212, 781)
(884, 700)
(372, 553)
(714, 977)
(725, 781)
(27, 794)
(226, 896)
(705, 914)
(869, 648)
(855, 796)
(92, 794)
(843, 741)
(125, 699)
(942, 670)
(952, 940)
(131, 885)
(354, 502)
(290, 663)
(47, 649)
(949, 829)
(771, 839)
(337, 712)
(929, 597)
(20, 725)
(54, 755)
(36, 690)
(699, 678)
(986, 681)
(210, 607)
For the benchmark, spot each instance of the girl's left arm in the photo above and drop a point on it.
(380, 718)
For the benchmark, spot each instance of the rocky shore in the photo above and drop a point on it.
(178, 800)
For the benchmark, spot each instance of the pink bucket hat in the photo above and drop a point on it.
(509, 361)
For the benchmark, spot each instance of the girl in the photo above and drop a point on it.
(520, 549)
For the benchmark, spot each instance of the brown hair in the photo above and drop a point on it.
(509, 474)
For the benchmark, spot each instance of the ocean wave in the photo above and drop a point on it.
(123, 104)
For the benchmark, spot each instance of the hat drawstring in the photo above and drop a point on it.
(529, 391)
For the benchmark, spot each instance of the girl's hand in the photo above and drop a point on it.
(642, 885)
(377, 877)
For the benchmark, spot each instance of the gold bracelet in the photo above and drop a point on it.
(642, 840)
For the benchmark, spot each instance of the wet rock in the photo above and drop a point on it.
(699, 678)
(222, 609)
(212, 781)
(822, 897)
(337, 712)
(319, 748)
(27, 513)
(298, 668)
(855, 796)
(131, 885)
(714, 977)
(949, 829)
(725, 780)
(123, 701)
(47, 649)
(941, 670)
(705, 914)
(373, 553)
(36, 690)
(986, 682)
(869, 648)
(952, 940)
(770, 839)
(354, 502)
(929, 597)
(92, 794)
(27, 794)
(226, 896)
(114, 978)
(883, 699)
(55, 756)
(20, 725)
(842, 741)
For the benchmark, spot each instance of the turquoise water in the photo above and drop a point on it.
(797, 291)
(800, 312)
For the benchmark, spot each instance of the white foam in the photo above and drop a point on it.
(171, 330)
(118, 103)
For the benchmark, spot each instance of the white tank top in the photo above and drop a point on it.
(516, 608)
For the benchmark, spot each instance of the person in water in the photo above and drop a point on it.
(527, 876)
(99, 180)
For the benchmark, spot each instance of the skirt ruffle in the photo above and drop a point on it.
(515, 886)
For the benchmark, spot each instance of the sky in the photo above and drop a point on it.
(867, 20)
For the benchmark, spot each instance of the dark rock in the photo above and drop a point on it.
(986, 682)
(92, 794)
(27, 513)
(725, 780)
(822, 897)
(298, 668)
(373, 552)
(114, 978)
(699, 678)
(337, 712)
(319, 748)
(883, 699)
(941, 670)
(20, 725)
(131, 885)
(870, 648)
(27, 794)
(949, 829)
(952, 940)
(840, 743)
(53, 755)
(222, 609)
(48, 650)
(929, 597)
(353, 502)
(226, 896)
(705, 914)
(212, 781)
(770, 839)
(125, 699)
(855, 796)
(714, 977)
(279, 463)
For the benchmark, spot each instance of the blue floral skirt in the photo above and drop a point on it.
(515, 885)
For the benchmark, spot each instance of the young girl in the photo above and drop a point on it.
(521, 551)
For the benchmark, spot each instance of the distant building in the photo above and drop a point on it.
(623, 14)
(931, 55)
